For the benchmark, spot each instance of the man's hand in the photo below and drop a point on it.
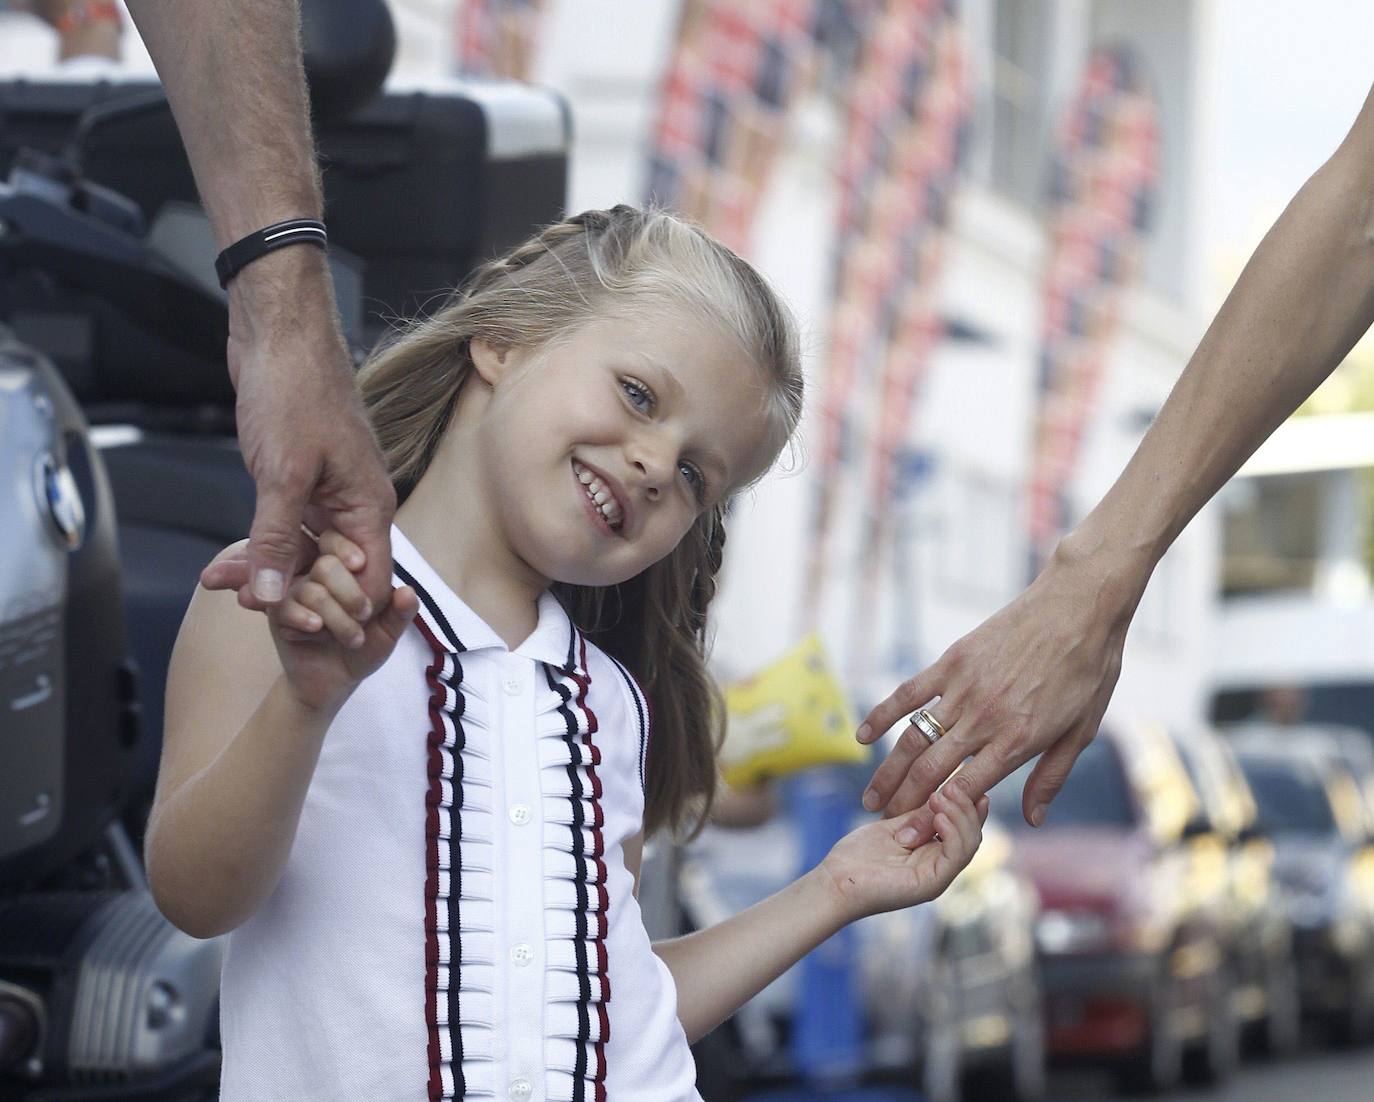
(305, 441)
(1035, 677)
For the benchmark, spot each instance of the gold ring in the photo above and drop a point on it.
(931, 729)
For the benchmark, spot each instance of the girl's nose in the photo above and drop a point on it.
(651, 484)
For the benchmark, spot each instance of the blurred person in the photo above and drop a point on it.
(1282, 705)
(1035, 678)
(86, 29)
(233, 75)
(546, 455)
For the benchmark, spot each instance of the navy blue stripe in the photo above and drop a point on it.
(455, 885)
(430, 604)
(633, 686)
(580, 915)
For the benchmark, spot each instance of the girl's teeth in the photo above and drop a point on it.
(601, 496)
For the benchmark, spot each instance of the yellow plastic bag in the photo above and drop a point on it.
(791, 715)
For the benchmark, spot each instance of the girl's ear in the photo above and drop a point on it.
(489, 359)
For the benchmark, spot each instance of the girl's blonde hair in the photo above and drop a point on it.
(572, 272)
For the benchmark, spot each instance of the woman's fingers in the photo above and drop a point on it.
(915, 769)
(905, 699)
(1050, 773)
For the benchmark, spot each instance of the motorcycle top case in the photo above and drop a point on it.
(421, 185)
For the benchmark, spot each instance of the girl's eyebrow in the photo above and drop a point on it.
(712, 457)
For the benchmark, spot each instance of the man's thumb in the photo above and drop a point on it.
(273, 542)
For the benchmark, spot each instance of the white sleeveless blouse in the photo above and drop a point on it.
(455, 919)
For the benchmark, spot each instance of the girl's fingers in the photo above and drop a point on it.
(294, 615)
(339, 623)
(915, 828)
(333, 542)
(958, 809)
(330, 572)
(399, 612)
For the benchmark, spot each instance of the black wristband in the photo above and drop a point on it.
(294, 231)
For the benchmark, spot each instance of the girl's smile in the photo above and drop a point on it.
(603, 497)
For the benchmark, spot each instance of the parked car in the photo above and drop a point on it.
(949, 992)
(1132, 950)
(1310, 804)
(1235, 856)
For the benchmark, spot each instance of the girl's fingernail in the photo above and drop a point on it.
(871, 800)
(366, 612)
(906, 836)
(355, 561)
(863, 733)
(1038, 815)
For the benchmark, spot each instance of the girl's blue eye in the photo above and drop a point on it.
(638, 392)
(696, 478)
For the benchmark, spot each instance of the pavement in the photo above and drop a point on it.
(1314, 1075)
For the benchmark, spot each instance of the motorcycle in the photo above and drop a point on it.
(122, 478)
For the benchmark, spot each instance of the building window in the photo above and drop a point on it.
(1271, 534)
(980, 543)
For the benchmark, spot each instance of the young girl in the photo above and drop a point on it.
(422, 829)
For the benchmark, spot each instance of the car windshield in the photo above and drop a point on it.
(1290, 802)
(1094, 795)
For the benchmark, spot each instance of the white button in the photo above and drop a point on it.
(520, 814)
(522, 955)
(520, 1088)
(513, 685)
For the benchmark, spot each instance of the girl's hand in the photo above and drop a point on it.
(324, 650)
(872, 872)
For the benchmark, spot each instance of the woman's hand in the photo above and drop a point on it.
(1035, 678)
(325, 652)
(872, 871)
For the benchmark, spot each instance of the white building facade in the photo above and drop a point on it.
(960, 551)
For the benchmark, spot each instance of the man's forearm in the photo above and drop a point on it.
(719, 969)
(232, 72)
(1302, 301)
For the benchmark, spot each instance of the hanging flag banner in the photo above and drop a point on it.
(1106, 171)
(735, 71)
(897, 72)
(497, 38)
(906, 135)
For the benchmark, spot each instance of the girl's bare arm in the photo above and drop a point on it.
(719, 969)
(238, 754)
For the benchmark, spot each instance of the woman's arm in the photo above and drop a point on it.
(1038, 674)
(719, 969)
